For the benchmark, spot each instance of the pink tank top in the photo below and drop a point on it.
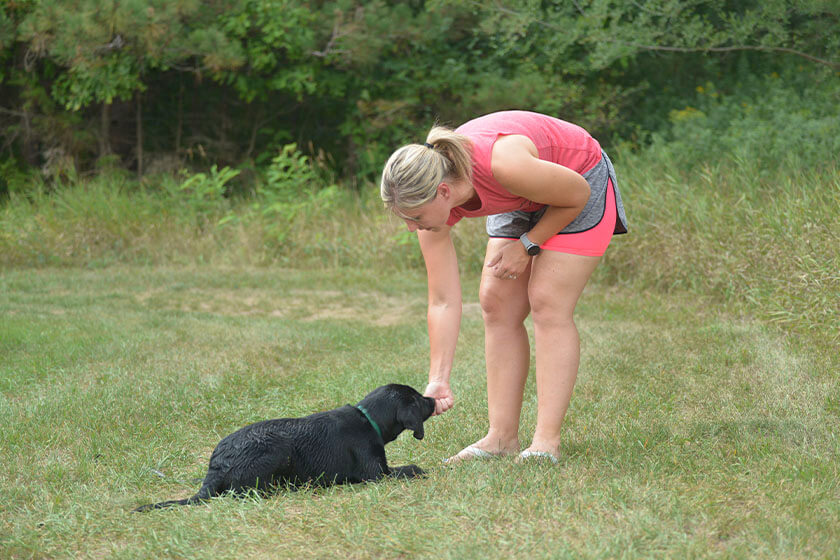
(556, 141)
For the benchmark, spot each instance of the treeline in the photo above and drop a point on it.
(156, 85)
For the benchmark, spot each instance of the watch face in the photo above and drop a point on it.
(530, 247)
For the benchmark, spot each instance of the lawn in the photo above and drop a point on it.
(693, 431)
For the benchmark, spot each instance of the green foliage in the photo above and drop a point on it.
(204, 193)
(789, 120)
(356, 78)
(275, 39)
(289, 176)
(107, 47)
(13, 179)
(290, 193)
(114, 77)
(587, 34)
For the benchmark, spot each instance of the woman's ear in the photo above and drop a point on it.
(444, 190)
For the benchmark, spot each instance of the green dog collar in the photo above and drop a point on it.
(364, 411)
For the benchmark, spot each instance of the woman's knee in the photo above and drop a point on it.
(501, 304)
(550, 307)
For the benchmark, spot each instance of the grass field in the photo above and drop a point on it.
(693, 431)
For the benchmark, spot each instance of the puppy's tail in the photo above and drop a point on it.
(206, 492)
(160, 505)
(170, 503)
(209, 488)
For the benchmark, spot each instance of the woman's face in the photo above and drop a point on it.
(430, 216)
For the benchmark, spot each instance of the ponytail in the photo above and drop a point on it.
(413, 172)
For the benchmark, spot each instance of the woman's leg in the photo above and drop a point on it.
(556, 283)
(504, 305)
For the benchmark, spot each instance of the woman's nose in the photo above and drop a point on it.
(412, 226)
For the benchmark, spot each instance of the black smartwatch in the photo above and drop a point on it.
(531, 247)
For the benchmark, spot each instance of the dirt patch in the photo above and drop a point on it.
(307, 305)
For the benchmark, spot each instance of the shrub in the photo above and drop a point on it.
(202, 194)
(782, 120)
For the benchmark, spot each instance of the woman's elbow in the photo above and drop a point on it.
(582, 193)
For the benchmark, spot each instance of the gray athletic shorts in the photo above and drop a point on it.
(514, 224)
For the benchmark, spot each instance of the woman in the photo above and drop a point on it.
(552, 203)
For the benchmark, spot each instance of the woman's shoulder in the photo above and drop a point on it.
(523, 122)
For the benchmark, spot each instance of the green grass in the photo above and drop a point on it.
(695, 430)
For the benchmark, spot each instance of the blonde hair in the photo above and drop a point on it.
(413, 172)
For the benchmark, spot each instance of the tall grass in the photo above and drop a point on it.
(765, 242)
(738, 201)
(103, 222)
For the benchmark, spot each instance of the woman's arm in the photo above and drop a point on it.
(444, 312)
(517, 167)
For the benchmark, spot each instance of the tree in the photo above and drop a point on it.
(105, 48)
(228, 81)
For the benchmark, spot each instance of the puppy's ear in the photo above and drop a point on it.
(411, 419)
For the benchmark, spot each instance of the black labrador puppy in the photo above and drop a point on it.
(338, 446)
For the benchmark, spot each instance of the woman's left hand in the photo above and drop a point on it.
(510, 262)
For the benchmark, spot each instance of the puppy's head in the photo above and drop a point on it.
(416, 409)
(399, 407)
